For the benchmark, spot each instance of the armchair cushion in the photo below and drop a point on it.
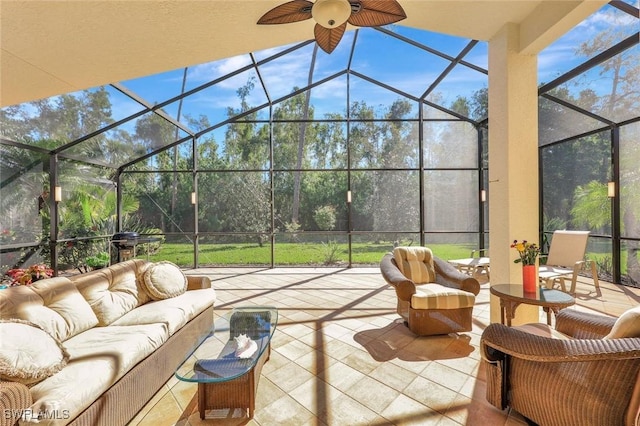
(627, 325)
(415, 263)
(436, 296)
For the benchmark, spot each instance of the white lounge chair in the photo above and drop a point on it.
(566, 258)
(479, 261)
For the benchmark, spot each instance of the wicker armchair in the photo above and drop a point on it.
(440, 304)
(581, 373)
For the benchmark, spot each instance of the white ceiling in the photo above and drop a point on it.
(54, 47)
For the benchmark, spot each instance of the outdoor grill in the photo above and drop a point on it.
(125, 243)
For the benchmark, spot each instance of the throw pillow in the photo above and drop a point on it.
(163, 280)
(627, 325)
(28, 353)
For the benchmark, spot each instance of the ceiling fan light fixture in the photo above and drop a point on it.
(331, 13)
(331, 16)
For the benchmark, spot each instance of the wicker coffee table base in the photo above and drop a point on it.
(237, 393)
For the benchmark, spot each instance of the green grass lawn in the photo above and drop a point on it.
(314, 254)
(292, 254)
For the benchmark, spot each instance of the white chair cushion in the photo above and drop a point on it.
(627, 325)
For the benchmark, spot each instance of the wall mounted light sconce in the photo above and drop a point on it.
(349, 197)
(57, 194)
(483, 195)
(193, 198)
(611, 189)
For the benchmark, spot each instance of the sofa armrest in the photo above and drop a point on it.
(15, 398)
(197, 282)
(583, 325)
(449, 276)
(405, 288)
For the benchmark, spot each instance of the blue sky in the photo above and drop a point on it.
(560, 56)
(395, 63)
(377, 55)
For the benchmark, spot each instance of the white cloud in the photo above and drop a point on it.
(609, 17)
(206, 72)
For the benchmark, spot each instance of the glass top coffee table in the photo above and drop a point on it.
(512, 295)
(227, 362)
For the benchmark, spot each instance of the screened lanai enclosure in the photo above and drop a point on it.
(294, 157)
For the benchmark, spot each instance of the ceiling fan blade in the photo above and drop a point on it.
(375, 13)
(328, 38)
(292, 11)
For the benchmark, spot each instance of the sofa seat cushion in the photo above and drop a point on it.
(55, 304)
(436, 296)
(415, 263)
(28, 354)
(113, 291)
(98, 358)
(174, 312)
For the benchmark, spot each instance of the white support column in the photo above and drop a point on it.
(513, 160)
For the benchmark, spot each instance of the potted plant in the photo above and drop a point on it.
(100, 260)
(27, 276)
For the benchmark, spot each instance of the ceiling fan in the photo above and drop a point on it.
(331, 16)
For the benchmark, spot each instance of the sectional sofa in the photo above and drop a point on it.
(93, 349)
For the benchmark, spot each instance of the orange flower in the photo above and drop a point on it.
(527, 252)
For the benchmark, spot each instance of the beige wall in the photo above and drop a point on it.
(513, 159)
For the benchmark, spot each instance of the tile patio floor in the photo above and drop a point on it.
(341, 356)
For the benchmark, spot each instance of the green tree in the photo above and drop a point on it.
(621, 100)
(246, 146)
(154, 133)
(592, 207)
(325, 217)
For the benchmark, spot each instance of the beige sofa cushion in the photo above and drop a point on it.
(28, 354)
(113, 291)
(174, 312)
(55, 304)
(164, 280)
(627, 325)
(415, 263)
(98, 358)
